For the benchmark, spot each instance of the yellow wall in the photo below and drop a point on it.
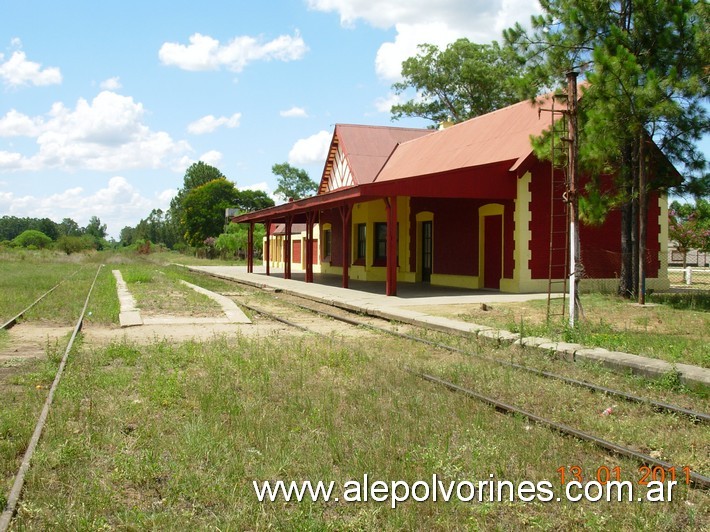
(370, 213)
(662, 283)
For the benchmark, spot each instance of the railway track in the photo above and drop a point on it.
(13, 321)
(18, 483)
(696, 480)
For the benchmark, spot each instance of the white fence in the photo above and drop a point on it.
(692, 277)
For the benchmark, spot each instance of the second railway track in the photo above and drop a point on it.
(283, 309)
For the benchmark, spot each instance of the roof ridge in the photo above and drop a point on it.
(384, 127)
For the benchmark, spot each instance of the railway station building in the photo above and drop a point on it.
(468, 206)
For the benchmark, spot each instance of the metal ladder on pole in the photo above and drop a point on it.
(558, 260)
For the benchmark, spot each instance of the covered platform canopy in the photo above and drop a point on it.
(477, 159)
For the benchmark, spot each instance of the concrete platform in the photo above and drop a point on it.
(129, 314)
(369, 297)
(231, 310)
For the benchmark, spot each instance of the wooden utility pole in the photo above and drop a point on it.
(572, 171)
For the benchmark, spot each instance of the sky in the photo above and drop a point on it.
(104, 104)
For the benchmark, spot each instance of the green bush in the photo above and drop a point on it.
(32, 239)
(75, 244)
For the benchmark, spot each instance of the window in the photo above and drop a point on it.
(361, 241)
(327, 242)
(380, 241)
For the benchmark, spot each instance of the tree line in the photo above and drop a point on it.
(196, 220)
(40, 233)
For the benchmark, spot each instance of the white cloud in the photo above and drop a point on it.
(424, 21)
(262, 186)
(207, 124)
(166, 195)
(212, 157)
(206, 53)
(117, 204)
(384, 104)
(388, 62)
(15, 124)
(294, 112)
(106, 134)
(111, 84)
(18, 71)
(310, 150)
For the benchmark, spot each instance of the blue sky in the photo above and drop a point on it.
(104, 104)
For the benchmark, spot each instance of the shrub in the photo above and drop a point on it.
(32, 239)
(75, 244)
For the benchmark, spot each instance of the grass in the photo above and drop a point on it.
(23, 389)
(157, 293)
(676, 330)
(25, 277)
(171, 437)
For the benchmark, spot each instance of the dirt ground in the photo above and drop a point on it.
(30, 340)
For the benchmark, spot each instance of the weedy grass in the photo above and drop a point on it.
(24, 385)
(156, 292)
(23, 280)
(172, 437)
(677, 331)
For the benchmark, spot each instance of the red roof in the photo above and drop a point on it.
(503, 135)
(477, 158)
(366, 149)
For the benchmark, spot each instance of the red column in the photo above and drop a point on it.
(310, 219)
(287, 250)
(250, 248)
(267, 252)
(391, 285)
(346, 212)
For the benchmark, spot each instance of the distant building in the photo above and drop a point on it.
(694, 257)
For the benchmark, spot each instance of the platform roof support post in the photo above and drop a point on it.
(346, 212)
(267, 250)
(310, 221)
(287, 249)
(250, 248)
(391, 283)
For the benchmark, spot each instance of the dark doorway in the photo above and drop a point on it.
(426, 251)
(492, 251)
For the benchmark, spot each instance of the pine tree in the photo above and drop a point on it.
(647, 81)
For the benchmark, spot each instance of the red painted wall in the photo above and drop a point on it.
(454, 253)
(333, 218)
(600, 245)
(456, 234)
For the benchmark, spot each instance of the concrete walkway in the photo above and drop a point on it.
(130, 316)
(369, 297)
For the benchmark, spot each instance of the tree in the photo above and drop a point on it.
(95, 228)
(69, 227)
(196, 175)
(46, 226)
(32, 239)
(12, 226)
(463, 81)
(127, 235)
(294, 183)
(253, 200)
(647, 81)
(73, 244)
(234, 241)
(203, 210)
(689, 226)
